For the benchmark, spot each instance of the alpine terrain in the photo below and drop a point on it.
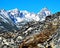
(22, 29)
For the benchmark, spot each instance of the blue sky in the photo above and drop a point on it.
(31, 5)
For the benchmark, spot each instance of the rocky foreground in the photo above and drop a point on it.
(45, 34)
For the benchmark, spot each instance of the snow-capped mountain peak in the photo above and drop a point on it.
(14, 11)
(16, 17)
(22, 15)
(43, 13)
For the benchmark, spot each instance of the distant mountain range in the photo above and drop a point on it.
(12, 20)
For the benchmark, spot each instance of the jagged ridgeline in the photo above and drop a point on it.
(13, 20)
(41, 30)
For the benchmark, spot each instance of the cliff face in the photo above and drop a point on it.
(48, 37)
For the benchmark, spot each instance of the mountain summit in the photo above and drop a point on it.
(27, 16)
(43, 13)
(15, 17)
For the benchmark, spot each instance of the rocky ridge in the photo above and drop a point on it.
(34, 34)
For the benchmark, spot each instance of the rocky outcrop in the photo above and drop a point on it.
(50, 30)
(42, 37)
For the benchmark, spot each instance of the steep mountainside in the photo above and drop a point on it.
(21, 29)
(48, 37)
